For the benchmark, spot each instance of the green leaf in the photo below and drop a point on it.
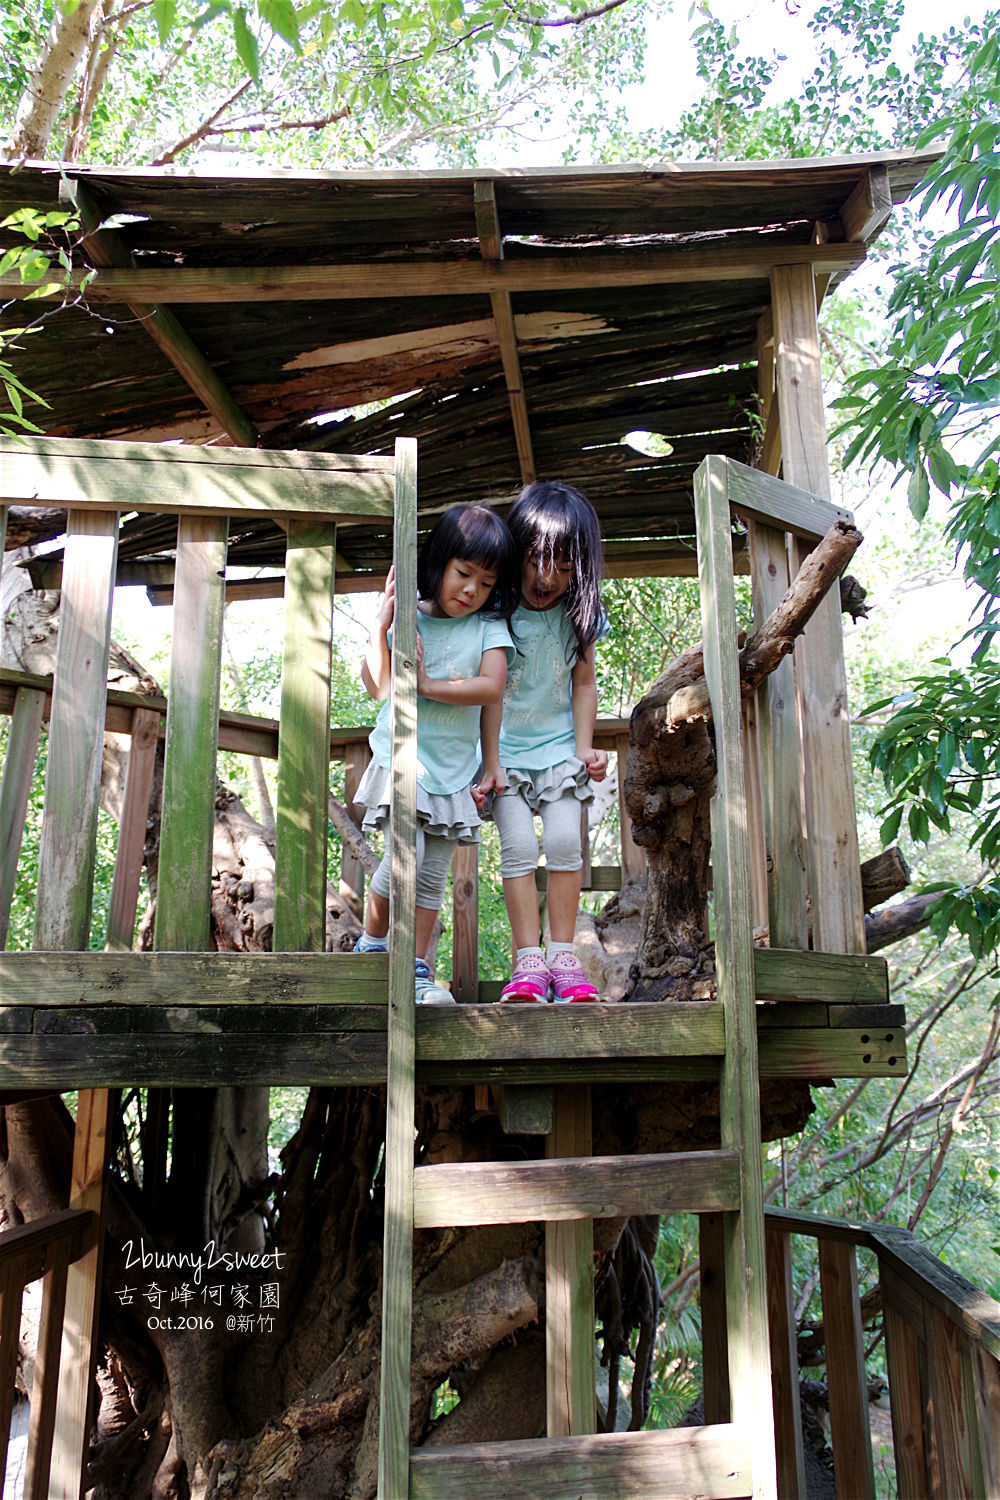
(164, 14)
(280, 15)
(890, 828)
(246, 44)
(918, 492)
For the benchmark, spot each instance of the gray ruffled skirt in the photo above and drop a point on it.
(450, 815)
(549, 785)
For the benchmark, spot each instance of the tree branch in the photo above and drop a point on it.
(201, 130)
(586, 15)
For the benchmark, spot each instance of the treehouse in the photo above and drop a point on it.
(502, 325)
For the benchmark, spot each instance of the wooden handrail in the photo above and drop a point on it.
(30, 1244)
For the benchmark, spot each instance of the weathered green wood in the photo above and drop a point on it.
(598, 1187)
(194, 1060)
(598, 878)
(98, 474)
(15, 789)
(525, 1110)
(683, 1461)
(850, 1425)
(837, 978)
(397, 1274)
(183, 908)
(802, 1052)
(570, 1379)
(132, 828)
(76, 735)
(746, 1286)
(781, 753)
(256, 1019)
(889, 1021)
(194, 979)
(538, 1031)
(304, 742)
(775, 502)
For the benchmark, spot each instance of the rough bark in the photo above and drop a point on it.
(51, 80)
(890, 924)
(883, 877)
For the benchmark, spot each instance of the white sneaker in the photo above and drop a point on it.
(429, 993)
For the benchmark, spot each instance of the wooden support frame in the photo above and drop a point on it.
(784, 1364)
(491, 249)
(15, 790)
(570, 1379)
(850, 1426)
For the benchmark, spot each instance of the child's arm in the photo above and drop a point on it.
(585, 717)
(492, 779)
(486, 688)
(376, 669)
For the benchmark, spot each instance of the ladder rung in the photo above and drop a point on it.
(574, 1187)
(710, 1462)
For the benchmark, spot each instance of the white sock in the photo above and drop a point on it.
(555, 949)
(525, 952)
(368, 944)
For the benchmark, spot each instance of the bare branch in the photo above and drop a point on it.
(586, 15)
(202, 130)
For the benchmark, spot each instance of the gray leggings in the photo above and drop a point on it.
(433, 859)
(519, 844)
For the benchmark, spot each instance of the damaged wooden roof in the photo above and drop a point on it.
(521, 322)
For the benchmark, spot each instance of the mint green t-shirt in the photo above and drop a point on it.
(537, 728)
(447, 733)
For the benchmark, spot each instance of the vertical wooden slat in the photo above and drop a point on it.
(714, 1339)
(756, 815)
(465, 932)
(397, 1272)
(951, 1458)
(183, 908)
(11, 1288)
(821, 683)
(304, 740)
(41, 1425)
(584, 848)
(132, 829)
(906, 1402)
(850, 1426)
(632, 857)
(784, 1366)
(570, 1386)
(746, 1287)
(62, 920)
(15, 789)
(357, 757)
(986, 1376)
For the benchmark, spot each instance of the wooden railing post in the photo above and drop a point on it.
(784, 1365)
(714, 1337)
(850, 1426)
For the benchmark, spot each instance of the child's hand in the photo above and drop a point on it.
(491, 781)
(386, 605)
(423, 680)
(596, 762)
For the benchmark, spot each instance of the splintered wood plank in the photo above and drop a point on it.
(906, 1401)
(535, 1031)
(44, 1389)
(15, 789)
(836, 979)
(599, 1187)
(78, 1354)
(194, 979)
(820, 677)
(670, 1465)
(132, 828)
(357, 757)
(76, 734)
(304, 740)
(714, 1337)
(465, 932)
(850, 1425)
(183, 907)
(570, 1385)
(781, 753)
(784, 1365)
(739, 1092)
(193, 480)
(397, 1274)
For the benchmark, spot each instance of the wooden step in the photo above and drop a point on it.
(712, 1463)
(574, 1187)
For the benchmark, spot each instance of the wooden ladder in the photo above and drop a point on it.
(571, 1188)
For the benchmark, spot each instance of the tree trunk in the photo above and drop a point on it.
(42, 99)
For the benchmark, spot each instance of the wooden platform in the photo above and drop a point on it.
(74, 1020)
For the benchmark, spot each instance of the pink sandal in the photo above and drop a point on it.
(529, 981)
(569, 982)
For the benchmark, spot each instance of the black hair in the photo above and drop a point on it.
(553, 520)
(475, 534)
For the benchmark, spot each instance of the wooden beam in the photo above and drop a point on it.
(837, 979)
(15, 790)
(627, 1465)
(598, 1187)
(491, 249)
(572, 270)
(570, 1384)
(494, 1032)
(105, 249)
(867, 211)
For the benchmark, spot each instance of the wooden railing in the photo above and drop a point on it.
(942, 1344)
(45, 1247)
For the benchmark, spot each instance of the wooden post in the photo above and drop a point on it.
(62, 920)
(821, 684)
(784, 1365)
(986, 1371)
(633, 860)
(714, 1338)
(739, 1095)
(44, 1390)
(11, 1289)
(132, 829)
(906, 1396)
(952, 1460)
(397, 1262)
(756, 815)
(570, 1384)
(15, 789)
(465, 934)
(357, 757)
(850, 1426)
(304, 740)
